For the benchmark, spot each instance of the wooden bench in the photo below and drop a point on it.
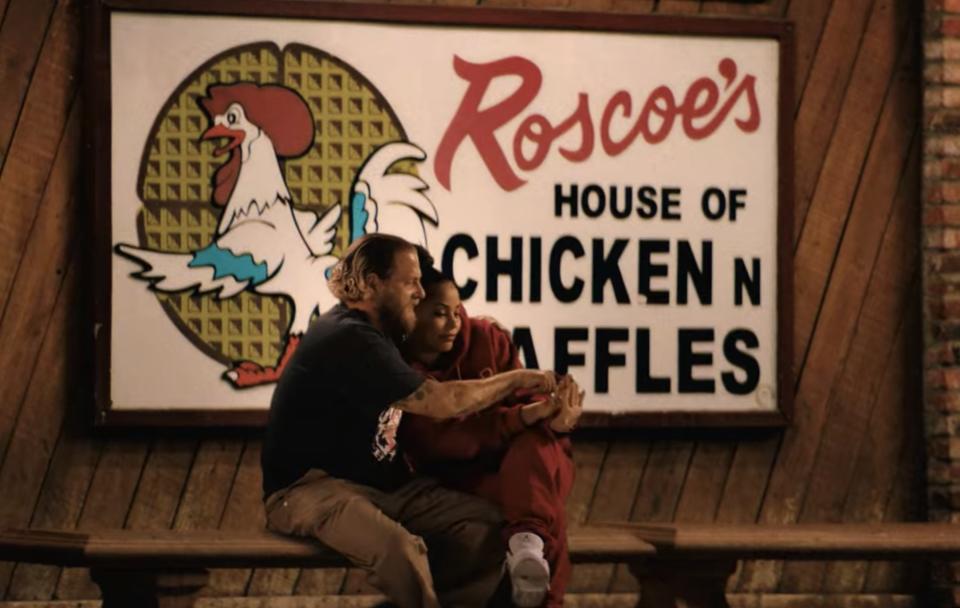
(676, 565)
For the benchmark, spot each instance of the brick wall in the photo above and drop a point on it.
(941, 285)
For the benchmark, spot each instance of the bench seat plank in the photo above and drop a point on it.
(596, 543)
(164, 549)
(231, 549)
(886, 541)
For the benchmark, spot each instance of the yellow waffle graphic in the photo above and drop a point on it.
(351, 120)
(245, 327)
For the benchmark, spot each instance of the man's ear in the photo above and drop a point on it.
(371, 285)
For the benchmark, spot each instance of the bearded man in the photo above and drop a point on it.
(332, 467)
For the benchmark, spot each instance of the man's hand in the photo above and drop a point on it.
(571, 406)
(536, 381)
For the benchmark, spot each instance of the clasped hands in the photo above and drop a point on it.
(563, 406)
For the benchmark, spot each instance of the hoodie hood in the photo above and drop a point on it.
(475, 352)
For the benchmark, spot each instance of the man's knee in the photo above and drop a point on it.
(369, 537)
(398, 545)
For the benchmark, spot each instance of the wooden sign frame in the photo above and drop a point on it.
(98, 157)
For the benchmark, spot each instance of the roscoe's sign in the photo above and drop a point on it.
(614, 196)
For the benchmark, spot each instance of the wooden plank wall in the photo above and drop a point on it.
(854, 452)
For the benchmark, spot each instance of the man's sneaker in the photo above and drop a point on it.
(529, 571)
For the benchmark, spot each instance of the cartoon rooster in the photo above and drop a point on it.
(263, 243)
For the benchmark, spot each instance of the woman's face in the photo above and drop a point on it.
(438, 319)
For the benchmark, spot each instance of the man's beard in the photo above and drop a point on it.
(391, 320)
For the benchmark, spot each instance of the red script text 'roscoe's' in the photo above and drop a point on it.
(702, 110)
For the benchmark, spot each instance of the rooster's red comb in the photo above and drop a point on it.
(279, 111)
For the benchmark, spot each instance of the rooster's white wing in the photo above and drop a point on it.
(318, 231)
(401, 193)
(172, 272)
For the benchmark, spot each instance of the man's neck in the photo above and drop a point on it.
(371, 312)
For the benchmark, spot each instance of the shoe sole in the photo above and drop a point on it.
(530, 579)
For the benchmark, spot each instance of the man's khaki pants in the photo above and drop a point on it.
(389, 535)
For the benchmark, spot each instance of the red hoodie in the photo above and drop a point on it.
(459, 450)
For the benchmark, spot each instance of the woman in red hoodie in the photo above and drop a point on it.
(516, 454)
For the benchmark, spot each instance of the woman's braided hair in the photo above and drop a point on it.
(430, 277)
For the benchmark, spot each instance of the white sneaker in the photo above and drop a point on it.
(529, 571)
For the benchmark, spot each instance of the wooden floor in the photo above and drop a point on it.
(854, 452)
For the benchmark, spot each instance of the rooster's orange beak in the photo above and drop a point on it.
(218, 131)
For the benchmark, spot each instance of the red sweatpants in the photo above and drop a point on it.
(531, 488)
